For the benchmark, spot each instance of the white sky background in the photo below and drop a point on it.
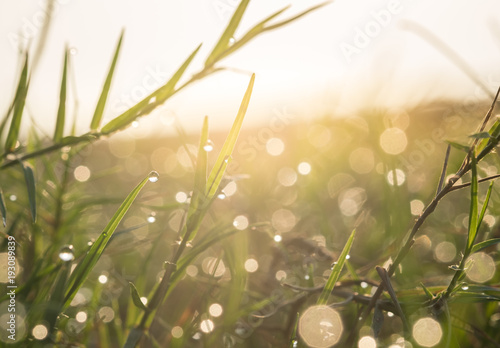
(299, 68)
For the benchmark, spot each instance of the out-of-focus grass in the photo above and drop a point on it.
(251, 253)
(298, 223)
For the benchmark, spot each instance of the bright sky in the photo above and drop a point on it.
(341, 58)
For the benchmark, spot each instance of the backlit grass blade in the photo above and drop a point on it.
(261, 28)
(256, 30)
(99, 110)
(20, 99)
(136, 298)
(473, 218)
(485, 205)
(200, 181)
(228, 33)
(215, 176)
(337, 268)
(29, 177)
(151, 101)
(61, 112)
(82, 270)
(3, 209)
(485, 244)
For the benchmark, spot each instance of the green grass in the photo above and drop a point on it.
(159, 249)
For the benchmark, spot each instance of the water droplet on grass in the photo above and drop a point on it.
(154, 176)
(66, 253)
(209, 146)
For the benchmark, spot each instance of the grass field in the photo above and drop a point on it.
(380, 229)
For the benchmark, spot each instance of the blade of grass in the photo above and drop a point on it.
(443, 171)
(61, 112)
(3, 209)
(228, 33)
(29, 177)
(261, 28)
(136, 298)
(141, 108)
(99, 110)
(197, 205)
(216, 174)
(473, 218)
(485, 206)
(82, 270)
(337, 268)
(20, 99)
(485, 244)
(382, 272)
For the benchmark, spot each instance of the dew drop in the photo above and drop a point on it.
(465, 287)
(278, 238)
(13, 198)
(135, 124)
(209, 146)
(221, 195)
(154, 176)
(232, 40)
(66, 253)
(73, 51)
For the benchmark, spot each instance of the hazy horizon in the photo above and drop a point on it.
(337, 60)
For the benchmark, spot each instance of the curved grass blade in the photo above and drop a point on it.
(61, 112)
(220, 165)
(99, 110)
(337, 268)
(19, 101)
(29, 177)
(228, 33)
(485, 244)
(148, 104)
(83, 269)
(3, 209)
(136, 298)
(261, 28)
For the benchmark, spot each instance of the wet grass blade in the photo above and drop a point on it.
(228, 33)
(19, 101)
(29, 177)
(473, 218)
(99, 110)
(337, 268)
(82, 270)
(151, 101)
(218, 170)
(61, 112)
(3, 209)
